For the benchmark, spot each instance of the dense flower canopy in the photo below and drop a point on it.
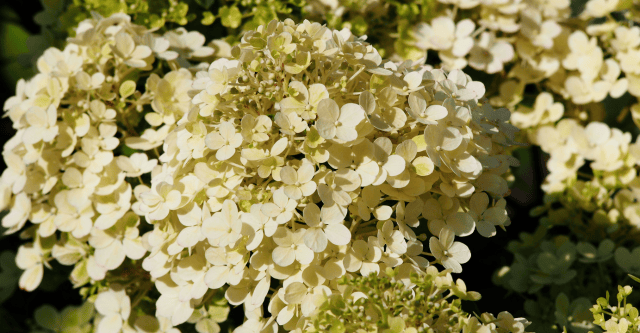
(308, 157)
(304, 159)
(324, 176)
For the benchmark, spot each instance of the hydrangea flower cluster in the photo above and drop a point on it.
(622, 318)
(553, 268)
(112, 310)
(86, 134)
(600, 210)
(590, 189)
(65, 170)
(299, 166)
(308, 159)
(582, 62)
(581, 57)
(570, 145)
(303, 160)
(397, 303)
(592, 180)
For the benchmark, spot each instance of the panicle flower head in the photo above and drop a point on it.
(405, 301)
(88, 130)
(301, 160)
(279, 172)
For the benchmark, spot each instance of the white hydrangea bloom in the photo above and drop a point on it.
(450, 253)
(453, 40)
(63, 174)
(290, 212)
(544, 111)
(282, 167)
(489, 54)
(113, 306)
(541, 33)
(188, 44)
(30, 259)
(599, 8)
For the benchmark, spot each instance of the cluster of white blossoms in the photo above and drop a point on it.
(114, 307)
(611, 189)
(69, 172)
(592, 190)
(303, 160)
(306, 159)
(612, 156)
(593, 173)
(537, 42)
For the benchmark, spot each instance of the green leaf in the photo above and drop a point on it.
(47, 317)
(219, 313)
(208, 18)
(359, 25)
(396, 325)
(298, 3)
(337, 327)
(635, 278)
(207, 325)
(587, 250)
(606, 247)
(230, 17)
(262, 15)
(562, 304)
(156, 21)
(14, 40)
(127, 88)
(258, 43)
(127, 151)
(548, 263)
(205, 3)
(84, 313)
(602, 302)
(632, 313)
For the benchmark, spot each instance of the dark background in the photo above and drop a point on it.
(488, 255)
(16, 25)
